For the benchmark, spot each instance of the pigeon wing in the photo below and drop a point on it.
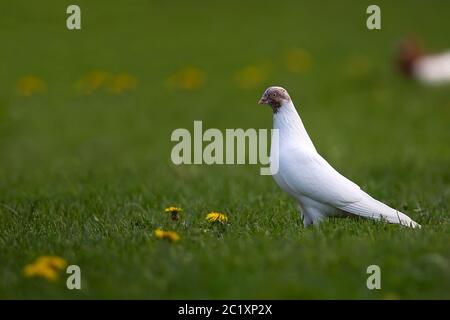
(308, 174)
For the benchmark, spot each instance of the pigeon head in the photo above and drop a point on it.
(275, 97)
(409, 51)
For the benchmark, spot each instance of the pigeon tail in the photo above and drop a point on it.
(374, 209)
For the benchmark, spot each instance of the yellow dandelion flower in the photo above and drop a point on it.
(47, 267)
(92, 82)
(120, 83)
(217, 217)
(29, 85)
(297, 60)
(188, 78)
(53, 262)
(40, 270)
(391, 296)
(358, 66)
(173, 209)
(172, 236)
(252, 76)
(174, 212)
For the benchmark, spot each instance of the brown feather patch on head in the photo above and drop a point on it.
(274, 97)
(409, 51)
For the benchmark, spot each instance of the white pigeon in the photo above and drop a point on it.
(318, 188)
(429, 69)
(433, 69)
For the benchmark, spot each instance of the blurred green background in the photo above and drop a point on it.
(85, 170)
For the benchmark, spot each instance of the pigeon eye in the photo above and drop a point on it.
(274, 94)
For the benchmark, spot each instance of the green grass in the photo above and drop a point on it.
(88, 177)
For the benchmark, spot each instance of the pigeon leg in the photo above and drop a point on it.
(307, 220)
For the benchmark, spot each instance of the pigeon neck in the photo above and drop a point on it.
(290, 126)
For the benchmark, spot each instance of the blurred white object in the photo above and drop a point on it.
(433, 69)
(318, 188)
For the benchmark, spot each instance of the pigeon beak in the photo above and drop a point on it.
(263, 100)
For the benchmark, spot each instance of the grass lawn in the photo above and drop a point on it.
(85, 170)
